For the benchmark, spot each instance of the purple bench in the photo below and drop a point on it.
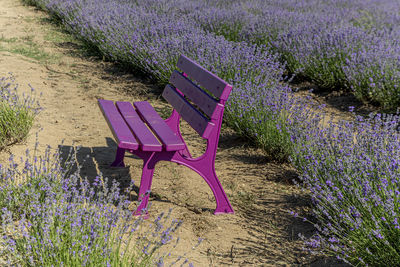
(139, 129)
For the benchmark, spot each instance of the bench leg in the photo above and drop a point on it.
(145, 184)
(205, 167)
(119, 158)
(223, 204)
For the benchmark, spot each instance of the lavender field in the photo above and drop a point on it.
(351, 168)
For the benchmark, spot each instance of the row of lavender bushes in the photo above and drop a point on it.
(17, 112)
(351, 168)
(53, 217)
(333, 43)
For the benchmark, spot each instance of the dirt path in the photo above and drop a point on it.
(261, 232)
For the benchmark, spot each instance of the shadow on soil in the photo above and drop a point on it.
(95, 160)
(338, 99)
(267, 223)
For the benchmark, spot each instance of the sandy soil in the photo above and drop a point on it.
(261, 232)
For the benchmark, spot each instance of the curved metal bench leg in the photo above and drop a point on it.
(223, 204)
(205, 168)
(149, 161)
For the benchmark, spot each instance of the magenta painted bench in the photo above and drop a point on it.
(139, 129)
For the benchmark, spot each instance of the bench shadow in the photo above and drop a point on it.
(92, 160)
(95, 160)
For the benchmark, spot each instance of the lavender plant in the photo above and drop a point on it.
(373, 73)
(52, 217)
(16, 112)
(352, 172)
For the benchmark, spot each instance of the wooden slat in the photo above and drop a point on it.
(146, 138)
(208, 80)
(118, 126)
(170, 141)
(205, 102)
(191, 115)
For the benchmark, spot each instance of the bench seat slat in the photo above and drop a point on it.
(191, 115)
(117, 124)
(147, 140)
(170, 141)
(208, 80)
(199, 97)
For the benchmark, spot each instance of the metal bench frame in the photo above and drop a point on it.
(139, 130)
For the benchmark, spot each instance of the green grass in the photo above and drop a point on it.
(32, 3)
(31, 51)
(26, 47)
(8, 40)
(57, 36)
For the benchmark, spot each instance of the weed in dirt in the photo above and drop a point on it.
(58, 37)
(29, 19)
(244, 199)
(33, 51)
(26, 46)
(83, 81)
(32, 3)
(8, 40)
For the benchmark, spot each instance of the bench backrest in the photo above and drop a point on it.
(206, 111)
